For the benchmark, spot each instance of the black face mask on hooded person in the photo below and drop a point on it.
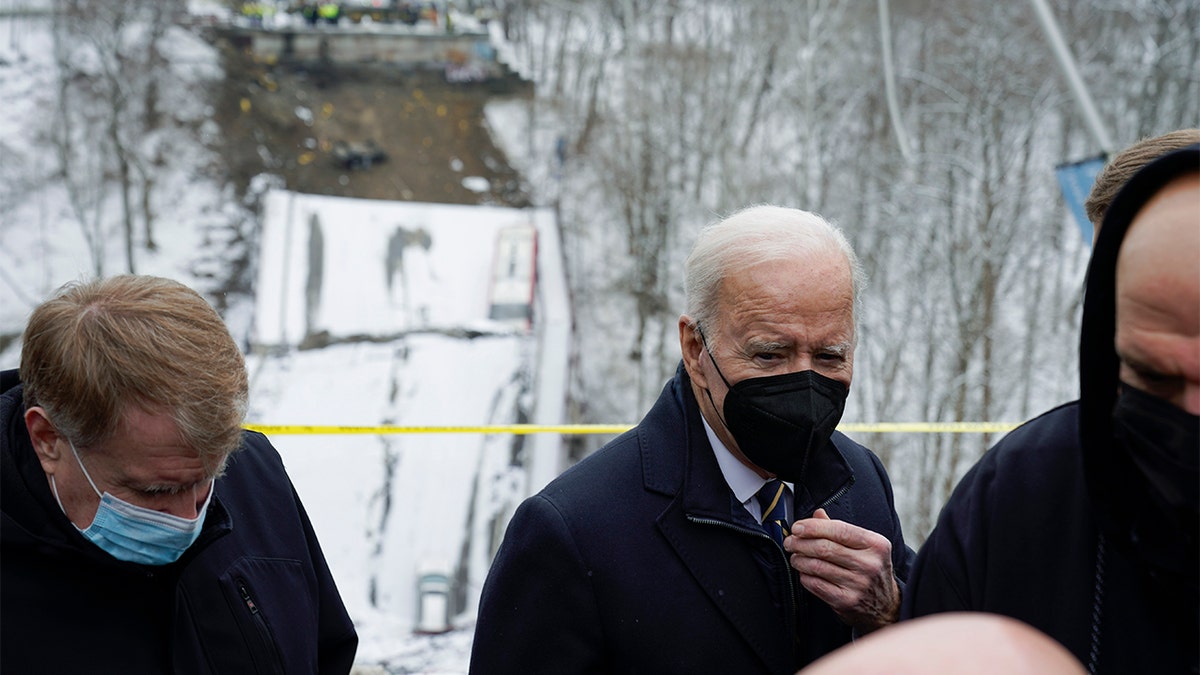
(779, 421)
(1163, 440)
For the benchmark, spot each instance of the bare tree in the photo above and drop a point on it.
(110, 73)
(681, 111)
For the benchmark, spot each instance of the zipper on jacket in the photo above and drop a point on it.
(246, 597)
(837, 495)
(260, 623)
(759, 533)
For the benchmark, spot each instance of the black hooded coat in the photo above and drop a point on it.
(1056, 527)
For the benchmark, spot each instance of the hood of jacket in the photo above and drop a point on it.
(1122, 500)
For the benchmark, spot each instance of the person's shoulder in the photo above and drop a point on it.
(1047, 441)
(617, 460)
(621, 473)
(256, 455)
(858, 456)
(12, 403)
(9, 379)
(1034, 464)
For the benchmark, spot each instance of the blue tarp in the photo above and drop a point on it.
(1076, 180)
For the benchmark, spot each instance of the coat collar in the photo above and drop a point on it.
(677, 458)
(736, 564)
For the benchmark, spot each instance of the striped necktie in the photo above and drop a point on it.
(773, 497)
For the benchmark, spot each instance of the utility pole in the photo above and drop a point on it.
(1070, 71)
(889, 80)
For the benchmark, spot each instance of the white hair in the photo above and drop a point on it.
(754, 235)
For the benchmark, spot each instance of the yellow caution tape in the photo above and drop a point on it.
(928, 427)
(293, 429)
(520, 429)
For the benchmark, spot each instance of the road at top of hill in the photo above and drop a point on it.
(299, 123)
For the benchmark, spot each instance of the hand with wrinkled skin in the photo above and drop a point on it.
(847, 567)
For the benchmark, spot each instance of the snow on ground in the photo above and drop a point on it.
(420, 351)
(400, 503)
(375, 551)
(387, 266)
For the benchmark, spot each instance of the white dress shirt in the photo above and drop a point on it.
(743, 480)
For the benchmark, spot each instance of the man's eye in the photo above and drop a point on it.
(1153, 376)
(1159, 384)
(1155, 379)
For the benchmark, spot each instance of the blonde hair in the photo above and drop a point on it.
(1117, 172)
(96, 348)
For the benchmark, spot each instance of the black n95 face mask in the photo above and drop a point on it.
(779, 421)
(1164, 442)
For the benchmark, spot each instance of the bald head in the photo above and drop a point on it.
(1158, 296)
(956, 642)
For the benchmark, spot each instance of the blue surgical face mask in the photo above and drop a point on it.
(137, 534)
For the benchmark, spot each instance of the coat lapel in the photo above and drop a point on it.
(713, 540)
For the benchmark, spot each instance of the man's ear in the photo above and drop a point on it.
(693, 348)
(44, 437)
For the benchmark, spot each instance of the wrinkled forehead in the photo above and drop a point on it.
(153, 431)
(1163, 241)
(1158, 272)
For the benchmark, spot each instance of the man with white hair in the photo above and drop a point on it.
(664, 552)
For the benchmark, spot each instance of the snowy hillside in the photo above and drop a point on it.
(407, 341)
(413, 348)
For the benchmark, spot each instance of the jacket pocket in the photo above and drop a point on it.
(273, 612)
(264, 650)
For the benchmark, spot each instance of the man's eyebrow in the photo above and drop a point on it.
(163, 489)
(840, 348)
(756, 345)
(172, 488)
(1132, 354)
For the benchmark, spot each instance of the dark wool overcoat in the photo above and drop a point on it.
(639, 559)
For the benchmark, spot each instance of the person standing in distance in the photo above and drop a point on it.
(663, 552)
